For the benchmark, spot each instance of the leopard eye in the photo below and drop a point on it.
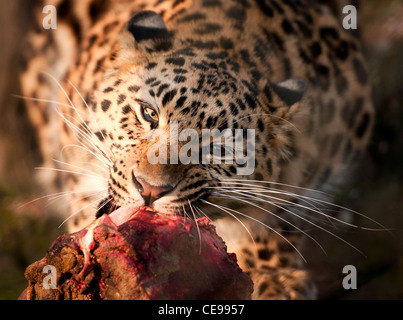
(149, 114)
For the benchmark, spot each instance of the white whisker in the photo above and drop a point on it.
(197, 226)
(282, 219)
(80, 133)
(270, 228)
(60, 194)
(77, 167)
(237, 181)
(41, 100)
(315, 200)
(81, 209)
(87, 150)
(227, 210)
(97, 145)
(70, 171)
(269, 115)
(92, 115)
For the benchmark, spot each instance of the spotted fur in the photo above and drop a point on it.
(285, 68)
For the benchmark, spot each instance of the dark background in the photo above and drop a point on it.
(376, 190)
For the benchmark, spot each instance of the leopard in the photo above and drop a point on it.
(110, 73)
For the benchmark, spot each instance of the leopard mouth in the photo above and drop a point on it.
(106, 206)
(176, 207)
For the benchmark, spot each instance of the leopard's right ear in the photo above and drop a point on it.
(149, 32)
(145, 34)
(148, 26)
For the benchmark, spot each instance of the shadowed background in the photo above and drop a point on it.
(376, 190)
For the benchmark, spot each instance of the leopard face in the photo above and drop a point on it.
(186, 89)
(133, 73)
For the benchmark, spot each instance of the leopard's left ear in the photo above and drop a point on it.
(287, 93)
(284, 98)
(290, 91)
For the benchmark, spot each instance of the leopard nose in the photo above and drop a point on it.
(149, 192)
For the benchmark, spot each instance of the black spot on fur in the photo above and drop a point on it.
(180, 79)
(262, 287)
(238, 15)
(200, 66)
(269, 166)
(234, 109)
(100, 135)
(226, 43)
(105, 105)
(126, 109)
(208, 28)
(304, 28)
(265, 254)
(287, 27)
(328, 32)
(223, 125)
(168, 96)
(316, 49)
(192, 17)
(232, 169)
(363, 126)
(176, 3)
(121, 99)
(273, 37)
(201, 116)
(265, 8)
(92, 40)
(150, 80)
(96, 9)
(322, 73)
(240, 104)
(162, 88)
(360, 71)
(250, 101)
(342, 51)
(349, 114)
(217, 55)
(180, 71)
(260, 125)
(180, 102)
(109, 27)
(109, 89)
(211, 3)
(179, 61)
(133, 88)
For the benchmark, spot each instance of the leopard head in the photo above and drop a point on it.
(164, 96)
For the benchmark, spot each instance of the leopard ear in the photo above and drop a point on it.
(149, 31)
(145, 34)
(290, 91)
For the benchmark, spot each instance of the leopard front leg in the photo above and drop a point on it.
(282, 284)
(276, 270)
(275, 266)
